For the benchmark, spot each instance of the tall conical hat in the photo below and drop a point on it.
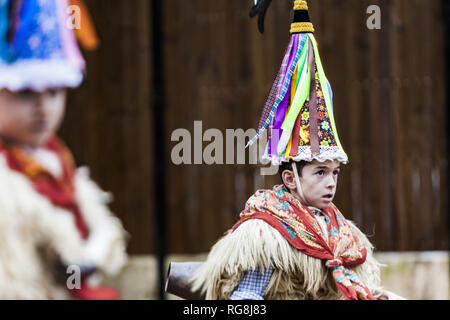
(38, 49)
(299, 111)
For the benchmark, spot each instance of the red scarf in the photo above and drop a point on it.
(59, 190)
(297, 224)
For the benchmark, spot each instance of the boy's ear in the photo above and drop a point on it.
(289, 179)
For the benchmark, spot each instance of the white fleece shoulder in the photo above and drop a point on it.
(253, 245)
(34, 233)
(106, 245)
(49, 226)
(36, 218)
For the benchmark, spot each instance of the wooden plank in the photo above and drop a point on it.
(401, 162)
(111, 110)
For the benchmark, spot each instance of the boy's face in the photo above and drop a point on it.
(31, 118)
(318, 181)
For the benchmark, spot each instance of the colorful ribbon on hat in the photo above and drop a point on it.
(299, 81)
(303, 57)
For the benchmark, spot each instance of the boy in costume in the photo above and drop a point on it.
(54, 220)
(291, 241)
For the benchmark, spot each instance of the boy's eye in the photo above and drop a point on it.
(52, 92)
(336, 172)
(320, 173)
(26, 94)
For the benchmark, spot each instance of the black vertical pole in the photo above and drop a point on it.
(446, 17)
(158, 131)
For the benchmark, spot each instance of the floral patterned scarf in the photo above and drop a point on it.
(342, 248)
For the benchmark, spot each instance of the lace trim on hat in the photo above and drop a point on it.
(304, 153)
(39, 75)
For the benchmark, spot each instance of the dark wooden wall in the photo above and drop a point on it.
(390, 105)
(108, 122)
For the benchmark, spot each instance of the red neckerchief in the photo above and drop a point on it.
(60, 191)
(299, 227)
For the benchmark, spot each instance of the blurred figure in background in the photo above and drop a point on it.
(57, 235)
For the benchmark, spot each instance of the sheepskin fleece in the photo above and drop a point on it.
(256, 245)
(34, 233)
